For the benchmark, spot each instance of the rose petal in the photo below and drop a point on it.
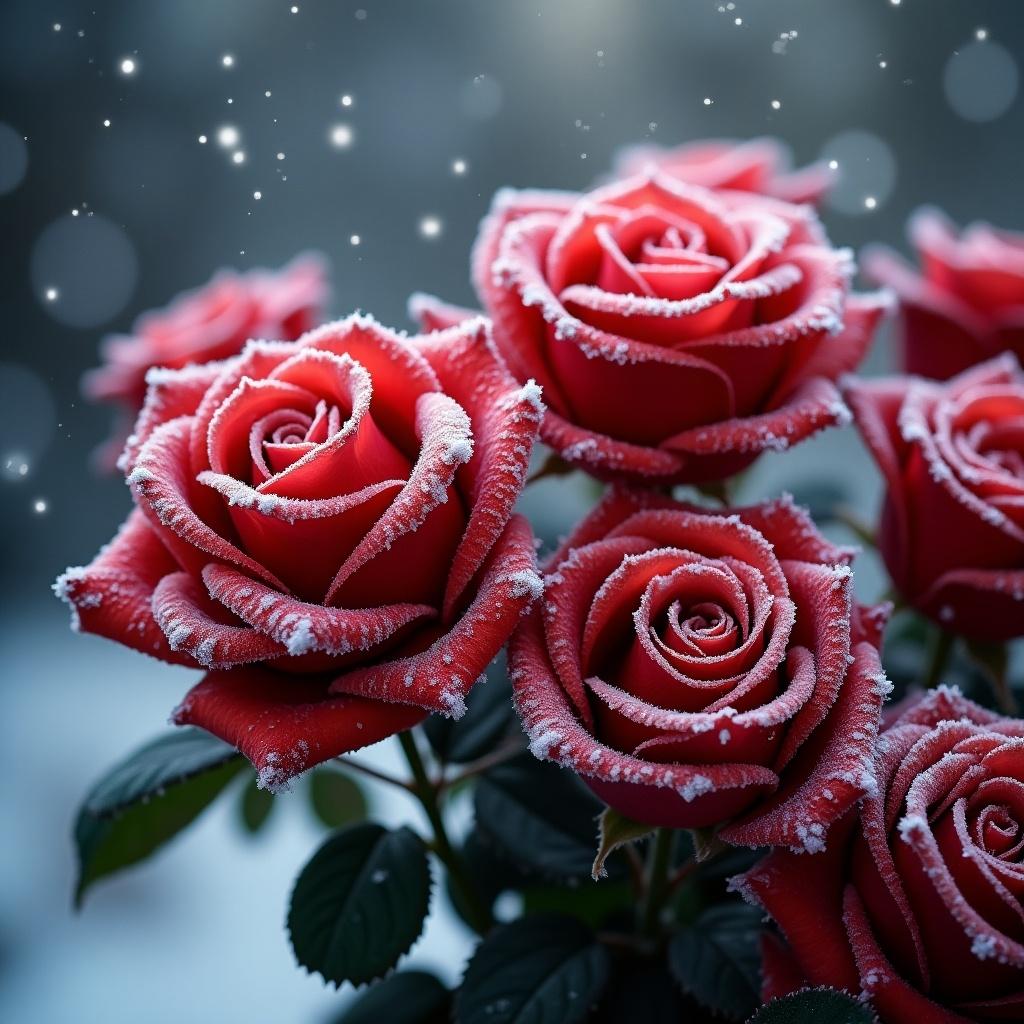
(112, 596)
(285, 724)
(440, 677)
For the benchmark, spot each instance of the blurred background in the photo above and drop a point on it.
(145, 145)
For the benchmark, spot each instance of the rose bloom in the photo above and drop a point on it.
(677, 332)
(966, 304)
(701, 667)
(326, 525)
(916, 903)
(212, 322)
(755, 165)
(952, 526)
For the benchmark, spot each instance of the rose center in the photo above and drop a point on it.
(998, 832)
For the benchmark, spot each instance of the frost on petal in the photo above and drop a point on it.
(440, 677)
(286, 724)
(193, 624)
(505, 418)
(112, 596)
(434, 314)
(299, 627)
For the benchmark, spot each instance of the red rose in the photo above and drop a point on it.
(917, 902)
(756, 165)
(677, 332)
(326, 525)
(212, 322)
(698, 667)
(952, 528)
(967, 302)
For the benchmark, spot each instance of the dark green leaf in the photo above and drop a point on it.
(815, 1006)
(147, 799)
(543, 817)
(255, 806)
(596, 903)
(717, 959)
(360, 903)
(545, 969)
(409, 997)
(489, 716)
(336, 799)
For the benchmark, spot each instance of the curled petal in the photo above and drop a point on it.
(191, 624)
(434, 314)
(440, 677)
(285, 724)
(299, 628)
(112, 596)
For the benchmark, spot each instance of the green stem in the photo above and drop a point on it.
(426, 792)
(658, 860)
(373, 773)
(942, 648)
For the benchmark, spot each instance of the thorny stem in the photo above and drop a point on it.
(658, 861)
(426, 793)
(682, 873)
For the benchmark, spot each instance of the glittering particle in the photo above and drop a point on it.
(708, 101)
(106, 122)
(870, 202)
(238, 157)
(354, 239)
(202, 140)
(39, 506)
(776, 104)
(458, 166)
(280, 156)
(257, 195)
(342, 136)
(430, 226)
(346, 100)
(227, 136)
(228, 60)
(128, 66)
(981, 34)
(51, 294)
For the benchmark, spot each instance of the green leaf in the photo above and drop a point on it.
(614, 830)
(717, 959)
(255, 806)
(336, 799)
(489, 716)
(815, 1006)
(595, 903)
(410, 997)
(545, 969)
(147, 799)
(541, 816)
(360, 903)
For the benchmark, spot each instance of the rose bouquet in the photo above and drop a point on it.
(674, 722)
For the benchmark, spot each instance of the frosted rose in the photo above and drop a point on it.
(212, 322)
(326, 525)
(703, 668)
(952, 527)
(677, 332)
(965, 304)
(761, 165)
(916, 903)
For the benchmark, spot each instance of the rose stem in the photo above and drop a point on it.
(659, 858)
(504, 753)
(425, 791)
(372, 773)
(941, 650)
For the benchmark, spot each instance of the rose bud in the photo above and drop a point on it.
(916, 903)
(326, 525)
(965, 305)
(952, 526)
(677, 332)
(756, 165)
(704, 668)
(212, 322)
